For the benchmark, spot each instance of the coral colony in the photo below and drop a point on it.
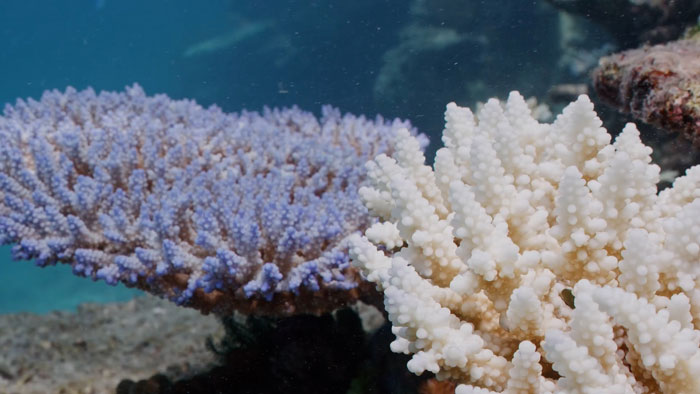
(537, 258)
(216, 211)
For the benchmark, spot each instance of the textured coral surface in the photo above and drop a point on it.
(537, 258)
(217, 211)
(657, 84)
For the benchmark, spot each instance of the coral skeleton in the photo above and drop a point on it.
(216, 211)
(537, 258)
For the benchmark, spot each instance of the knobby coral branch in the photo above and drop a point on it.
(537, 258)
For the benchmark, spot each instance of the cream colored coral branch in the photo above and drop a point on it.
(537, 258)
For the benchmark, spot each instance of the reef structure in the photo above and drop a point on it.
(220, 212)
(537, 258)
(659, 85)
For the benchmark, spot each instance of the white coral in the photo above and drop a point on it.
(534, 245)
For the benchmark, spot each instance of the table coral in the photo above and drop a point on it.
(217, 211)
(537, 258)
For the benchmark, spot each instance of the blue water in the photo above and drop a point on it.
(107, 45)
(29, 288)
(248, 54)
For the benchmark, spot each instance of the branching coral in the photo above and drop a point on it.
(537, 258)
(216, 211)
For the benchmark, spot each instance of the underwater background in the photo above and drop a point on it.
(390, 62)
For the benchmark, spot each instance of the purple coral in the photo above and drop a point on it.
(216, 211)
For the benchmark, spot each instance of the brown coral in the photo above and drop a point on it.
(659, 85)
(434, 386)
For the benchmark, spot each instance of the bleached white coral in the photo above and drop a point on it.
(537, 258)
